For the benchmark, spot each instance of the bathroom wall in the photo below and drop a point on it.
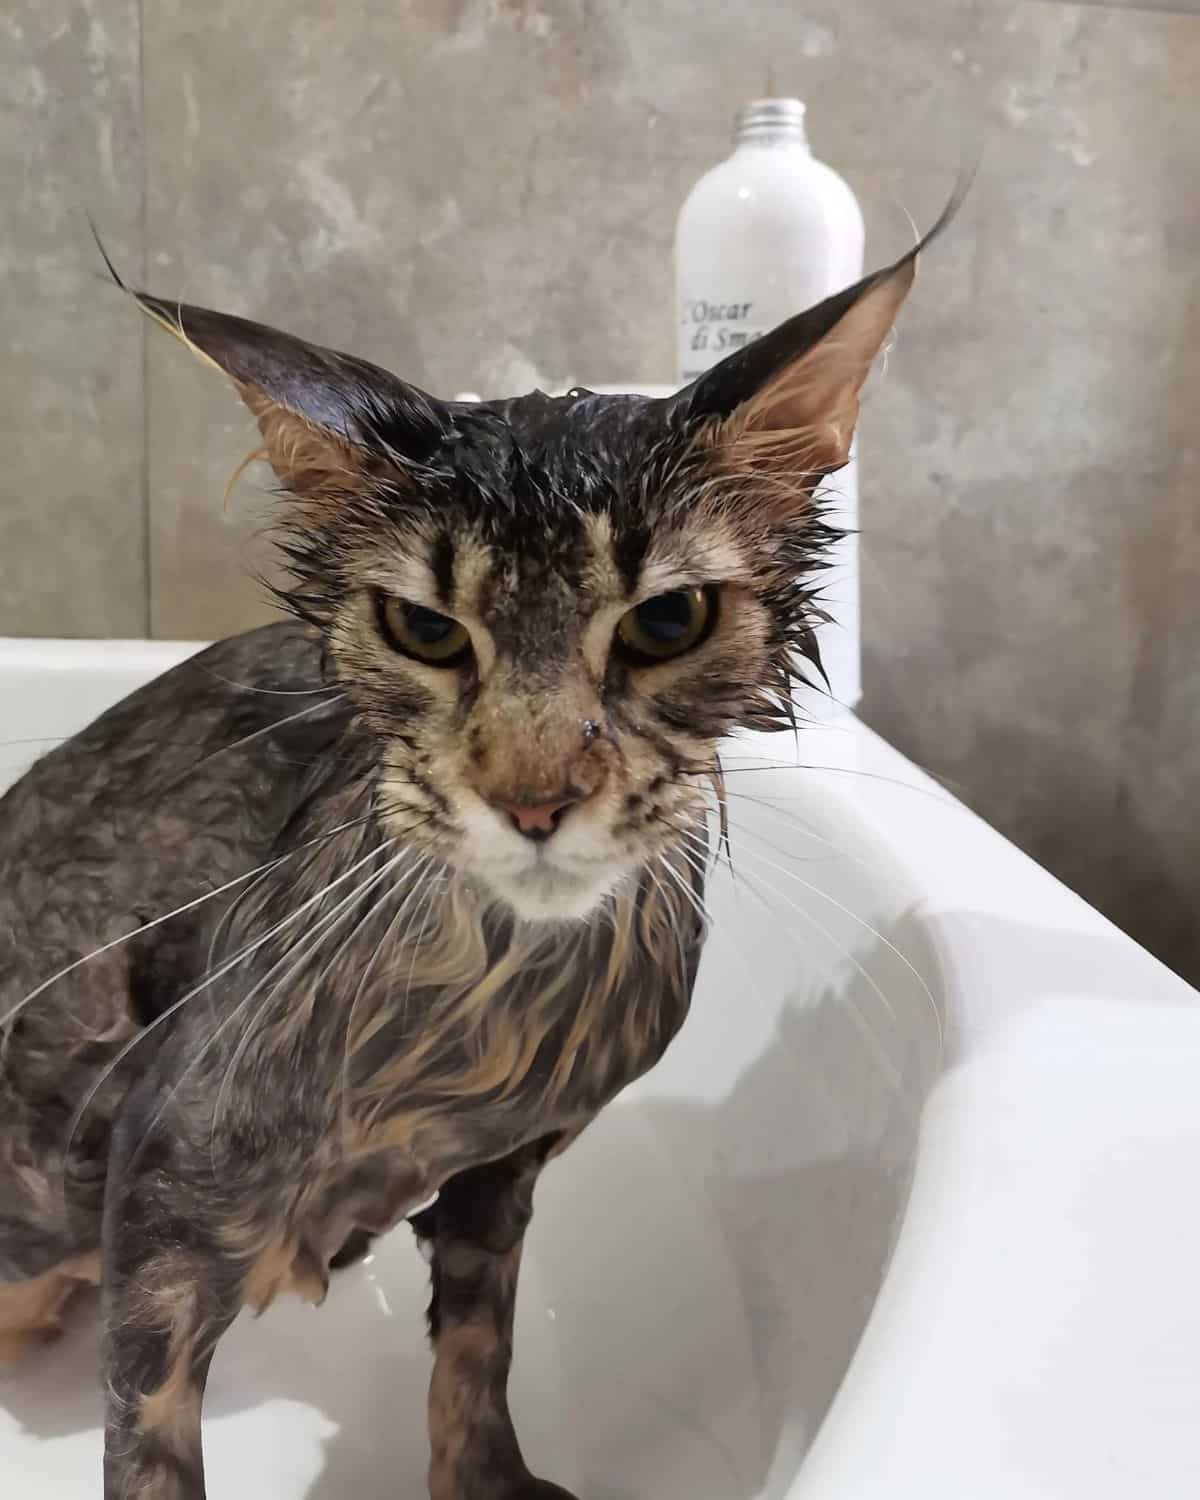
(481, 193)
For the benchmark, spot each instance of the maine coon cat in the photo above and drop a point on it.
(391, 899)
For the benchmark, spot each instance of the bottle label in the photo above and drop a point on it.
(710, 329)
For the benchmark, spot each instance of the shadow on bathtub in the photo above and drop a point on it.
(699, 1275)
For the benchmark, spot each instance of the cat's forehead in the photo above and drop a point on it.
(546, 515)
(561, 565)
(562, 453)
(580, 419)
(523, 481)
(491, 573)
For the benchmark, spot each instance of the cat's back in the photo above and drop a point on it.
(173, 791)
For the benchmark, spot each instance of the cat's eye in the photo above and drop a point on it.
(422, 633)
(667, 625)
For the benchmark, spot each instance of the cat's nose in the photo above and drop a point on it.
(538, 820)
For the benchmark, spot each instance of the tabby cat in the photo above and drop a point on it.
(389, 900)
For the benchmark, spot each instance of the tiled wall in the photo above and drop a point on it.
(482, 192)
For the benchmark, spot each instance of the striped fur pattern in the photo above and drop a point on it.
(278, 958)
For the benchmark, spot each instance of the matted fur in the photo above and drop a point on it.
(278, 964)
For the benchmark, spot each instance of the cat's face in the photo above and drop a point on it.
(547, 612)
(547, 675)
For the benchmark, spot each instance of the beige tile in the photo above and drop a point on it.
(72, 557)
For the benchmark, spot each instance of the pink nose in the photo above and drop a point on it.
(537, 820)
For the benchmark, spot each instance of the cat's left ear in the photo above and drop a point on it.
(789, 401)
(327, 419)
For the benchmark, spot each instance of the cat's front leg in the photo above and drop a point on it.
(475, 1231)
(170, 1292)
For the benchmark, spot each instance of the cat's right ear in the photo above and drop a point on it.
(785, 405)
(327, 419)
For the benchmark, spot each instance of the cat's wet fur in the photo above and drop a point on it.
(379, 984)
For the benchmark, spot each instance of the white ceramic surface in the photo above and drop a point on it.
(731, 1290)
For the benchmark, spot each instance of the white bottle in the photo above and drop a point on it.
(763, 235)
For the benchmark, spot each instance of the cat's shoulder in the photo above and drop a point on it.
(282, 656)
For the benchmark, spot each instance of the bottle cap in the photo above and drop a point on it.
(770, 119)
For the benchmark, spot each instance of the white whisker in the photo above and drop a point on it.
(669, 902)
(947, 800)
(803, 828)
(691, 896)
(328, 691)
(416, 887)
(427, 912)
(137, 931)
(756, 885)
(321, 930)
(854, 917)
(209, 979)
(257, 734)
(178, 911)
(752, 885)
(729, 937)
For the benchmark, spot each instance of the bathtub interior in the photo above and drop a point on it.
(701, 1264)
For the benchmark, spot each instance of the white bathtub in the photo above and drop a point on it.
(910, 1208)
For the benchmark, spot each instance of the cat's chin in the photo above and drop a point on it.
(549, 893)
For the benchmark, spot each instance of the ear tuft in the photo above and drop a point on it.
(309, 461)
(786, 405)
(328, 419)
(808, 409)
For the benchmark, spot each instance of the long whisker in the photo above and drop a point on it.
(425, 909)
(416, 888)
(177, 911)
(319, 927)
(137, 931)
(690, 895)
(227, 915)
(801, 826)
(754, 881)
(751, 973)
(763, 860)
(669, 903)
(911, 786)
(426, 913)
(375, 911)
(752, 885)
(328, 690)
(322, 929)
(161, 1019)
(248, 739)
(761, 892)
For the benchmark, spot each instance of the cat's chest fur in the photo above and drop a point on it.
(359, 1064)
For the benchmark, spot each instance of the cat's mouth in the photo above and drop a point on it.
(563, 876)
(566, 875)
(550, 887)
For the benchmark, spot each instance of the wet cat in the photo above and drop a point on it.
(391, 899)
